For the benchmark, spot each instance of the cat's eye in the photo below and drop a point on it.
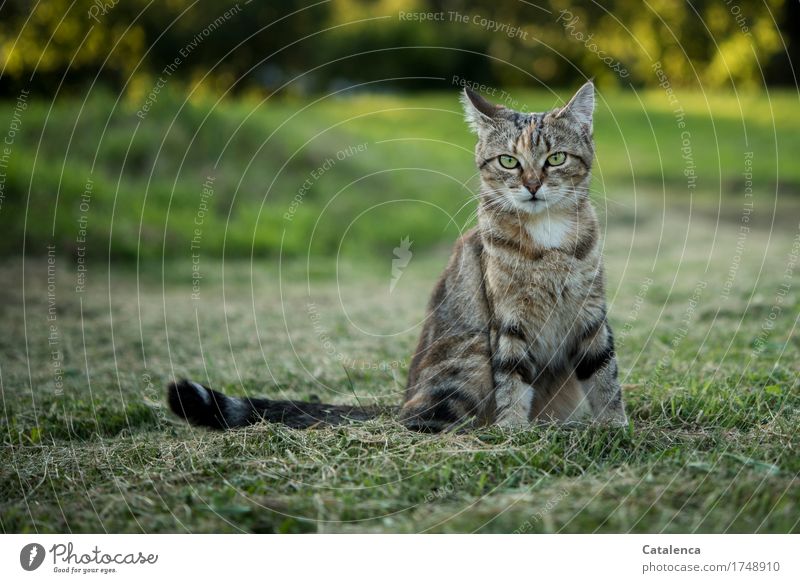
(556, 159)
(508, 161)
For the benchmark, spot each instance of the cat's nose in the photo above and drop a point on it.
(532, 185)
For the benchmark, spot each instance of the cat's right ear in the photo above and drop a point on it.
(479, 113)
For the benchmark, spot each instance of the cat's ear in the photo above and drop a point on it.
(581, 106)
(479, 113)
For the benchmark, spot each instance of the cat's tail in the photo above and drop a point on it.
(201, 406)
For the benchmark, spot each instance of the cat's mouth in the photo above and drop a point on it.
(527, 202)
(524, 195)
(533, 199)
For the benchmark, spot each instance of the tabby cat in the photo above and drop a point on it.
(516, 327)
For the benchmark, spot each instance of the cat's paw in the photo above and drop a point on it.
(513, 420)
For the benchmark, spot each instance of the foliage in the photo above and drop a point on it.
(302, 46)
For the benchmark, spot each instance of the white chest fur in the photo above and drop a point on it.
(551, 231)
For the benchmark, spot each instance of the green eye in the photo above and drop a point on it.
(508, 161)
(557, 159)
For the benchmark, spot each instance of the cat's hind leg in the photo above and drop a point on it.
(453, 385)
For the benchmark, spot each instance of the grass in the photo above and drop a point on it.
(707, 344)
(146, 176)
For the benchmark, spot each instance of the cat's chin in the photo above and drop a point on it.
(533, 206)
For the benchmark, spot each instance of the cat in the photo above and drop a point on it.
(516, 328)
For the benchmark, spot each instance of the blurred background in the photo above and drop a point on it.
(129, 108)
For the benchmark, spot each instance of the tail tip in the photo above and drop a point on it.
(188, 399)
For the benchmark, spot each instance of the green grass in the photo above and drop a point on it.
(415, 167)
(714, 399)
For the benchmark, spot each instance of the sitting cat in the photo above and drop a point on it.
(516, 327)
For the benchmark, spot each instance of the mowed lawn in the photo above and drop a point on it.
(707, 342)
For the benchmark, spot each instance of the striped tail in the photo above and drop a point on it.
(201, 406)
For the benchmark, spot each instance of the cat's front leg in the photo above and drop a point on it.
(513, 376)
(514, 400)
(596, 369)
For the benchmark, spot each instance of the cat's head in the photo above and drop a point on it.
(532, 162)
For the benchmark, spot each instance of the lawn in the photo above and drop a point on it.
(260, 173)
(705, 320)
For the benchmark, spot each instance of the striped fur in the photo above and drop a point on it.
(516, 327)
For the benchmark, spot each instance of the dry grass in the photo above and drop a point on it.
(715, 410)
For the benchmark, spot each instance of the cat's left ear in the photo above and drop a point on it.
(581, 106)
